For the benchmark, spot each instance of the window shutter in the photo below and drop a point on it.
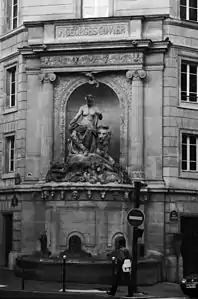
(88, 8)
(9, 14)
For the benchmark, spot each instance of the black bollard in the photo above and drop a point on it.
(113, 266)
(113, 269)
(64, 266)
(23, 275)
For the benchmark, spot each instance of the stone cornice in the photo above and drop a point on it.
(98, 20)
(9, 57)
(181, 23)
(132, 46)
(12, 33)
(38, 187)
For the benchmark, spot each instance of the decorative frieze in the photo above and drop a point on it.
(93, 59)
(96, 193)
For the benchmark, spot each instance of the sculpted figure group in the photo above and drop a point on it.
(85, 134)
(88, 144)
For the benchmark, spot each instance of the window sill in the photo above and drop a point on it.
(191, 174)
(192, 106)
(189, 21)
(10, 175)
(10, 110)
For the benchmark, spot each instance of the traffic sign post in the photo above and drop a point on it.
(135, 218)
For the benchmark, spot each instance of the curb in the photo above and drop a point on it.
(7, 293)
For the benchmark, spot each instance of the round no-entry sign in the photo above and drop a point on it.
(135, 217)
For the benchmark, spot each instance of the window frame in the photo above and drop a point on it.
(110, 10)
(193, 60)
(187, 12)
(8, 107)
(10, 16)
(7, 153)
(187, 91)
(187, 174)
(188, 146)
(14, 17)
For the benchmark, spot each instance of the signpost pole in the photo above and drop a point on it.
(135, 218)
(134, 244)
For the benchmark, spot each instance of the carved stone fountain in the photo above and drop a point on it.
(88, 198)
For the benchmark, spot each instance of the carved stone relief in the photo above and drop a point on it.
(67, 85)
(94, 59)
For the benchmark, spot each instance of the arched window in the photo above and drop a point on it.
(75, 244)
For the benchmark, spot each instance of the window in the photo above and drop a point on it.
(189, 82)
(95, 8)
(11, 87)
(9, 153)
(12, 14)
(189, 152)
(188, 10)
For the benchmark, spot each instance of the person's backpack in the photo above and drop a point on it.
(126, 267)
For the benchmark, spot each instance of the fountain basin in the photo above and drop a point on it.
(83, 271)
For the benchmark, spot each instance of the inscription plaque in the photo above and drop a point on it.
(92, 31)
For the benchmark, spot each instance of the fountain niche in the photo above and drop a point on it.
(85, 199)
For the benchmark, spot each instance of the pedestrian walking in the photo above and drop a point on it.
(122, 267)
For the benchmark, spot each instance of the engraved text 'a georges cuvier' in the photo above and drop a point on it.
(93, 30)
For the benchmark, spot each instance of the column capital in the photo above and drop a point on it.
(47, 77)
(136, 74)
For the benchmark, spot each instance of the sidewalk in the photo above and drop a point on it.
(163, 290)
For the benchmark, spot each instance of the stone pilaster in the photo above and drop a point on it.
(46, 125)
(136, 124)
(102, 228)
(53, 231)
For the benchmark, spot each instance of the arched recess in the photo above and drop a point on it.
(75, 234)
(107, 102)
(118, 86)
(116, 237)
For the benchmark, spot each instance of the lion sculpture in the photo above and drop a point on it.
(102, 143)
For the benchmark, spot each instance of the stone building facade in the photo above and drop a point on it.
(144, 58)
